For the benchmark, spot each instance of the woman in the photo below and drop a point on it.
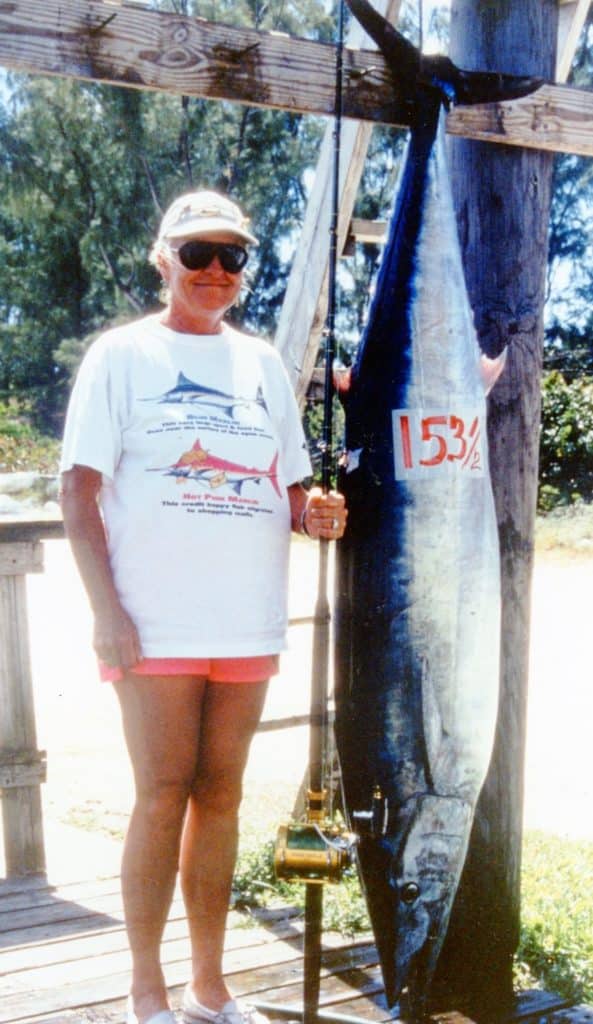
(187, 435)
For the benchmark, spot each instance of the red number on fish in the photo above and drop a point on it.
(430, 433)
(427, 443)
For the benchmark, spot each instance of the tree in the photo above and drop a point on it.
(85, 173)
(569, 322)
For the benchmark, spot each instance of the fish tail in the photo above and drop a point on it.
(272, 475)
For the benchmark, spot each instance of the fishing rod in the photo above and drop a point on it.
(316, 851)
(317, 794)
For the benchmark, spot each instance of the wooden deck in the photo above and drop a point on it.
(64, 959)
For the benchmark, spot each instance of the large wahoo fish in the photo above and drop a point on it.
(418, 592)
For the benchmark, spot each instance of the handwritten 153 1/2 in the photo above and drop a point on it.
(431, 442)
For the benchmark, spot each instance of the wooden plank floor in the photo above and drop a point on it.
(64, 960)
(64, 957)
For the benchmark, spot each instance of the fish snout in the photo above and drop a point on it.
(413, 928)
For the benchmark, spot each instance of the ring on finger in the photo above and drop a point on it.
(335, 524)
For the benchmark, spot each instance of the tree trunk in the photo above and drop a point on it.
(502, 197)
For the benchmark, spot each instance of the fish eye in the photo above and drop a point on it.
(409, 892)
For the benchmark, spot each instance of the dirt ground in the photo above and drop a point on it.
(88, 794)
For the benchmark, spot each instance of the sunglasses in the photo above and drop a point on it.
(197, 255)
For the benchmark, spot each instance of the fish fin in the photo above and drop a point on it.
(260, 400)
(414, 72)
(491, 369)
(401, 54)
(183, 381)
(431, 724)
(272, 475)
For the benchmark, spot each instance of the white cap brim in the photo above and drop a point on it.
(203, 226)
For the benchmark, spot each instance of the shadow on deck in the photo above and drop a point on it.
(64, 959)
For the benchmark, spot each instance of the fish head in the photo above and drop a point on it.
(423, 871)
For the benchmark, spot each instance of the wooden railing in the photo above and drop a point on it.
(22, 765)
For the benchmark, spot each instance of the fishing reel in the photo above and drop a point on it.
(314, 850)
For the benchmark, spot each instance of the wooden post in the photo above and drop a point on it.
(22, 766)
(502, 199)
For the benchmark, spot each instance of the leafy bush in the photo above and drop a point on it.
(556, 947)
(566, 441)
(22, 447)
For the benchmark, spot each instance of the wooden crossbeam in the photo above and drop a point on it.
(571, 19)
(124, 44)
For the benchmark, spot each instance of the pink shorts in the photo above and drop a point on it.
(215, 670)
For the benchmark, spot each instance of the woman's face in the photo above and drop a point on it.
(198, 299)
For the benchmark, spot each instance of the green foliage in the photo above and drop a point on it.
(22, 447)
(569, 325)
(566, 445)
(556, 948)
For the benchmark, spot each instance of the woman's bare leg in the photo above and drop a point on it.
(230, 715)
(161, 717)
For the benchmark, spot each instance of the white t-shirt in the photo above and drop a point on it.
(197, 438)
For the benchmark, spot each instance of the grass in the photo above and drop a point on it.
(556, 945)
(556, 948)
(566, 531)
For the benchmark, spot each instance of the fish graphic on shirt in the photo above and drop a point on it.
(189, 392)
(200, 464)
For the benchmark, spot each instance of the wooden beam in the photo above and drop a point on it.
(123, 44)
(572, 15)
(555, 118)
(303, 314)
(147, 49)
(370, 231)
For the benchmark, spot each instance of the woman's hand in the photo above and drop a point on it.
(116, 639)
(324, 514)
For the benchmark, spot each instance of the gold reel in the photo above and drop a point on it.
(314, 850)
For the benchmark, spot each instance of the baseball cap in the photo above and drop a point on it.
(203, 213)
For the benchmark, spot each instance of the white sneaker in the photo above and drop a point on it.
(162, 1017)
(232, 1012)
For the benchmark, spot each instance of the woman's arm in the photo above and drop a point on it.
(116, 639)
